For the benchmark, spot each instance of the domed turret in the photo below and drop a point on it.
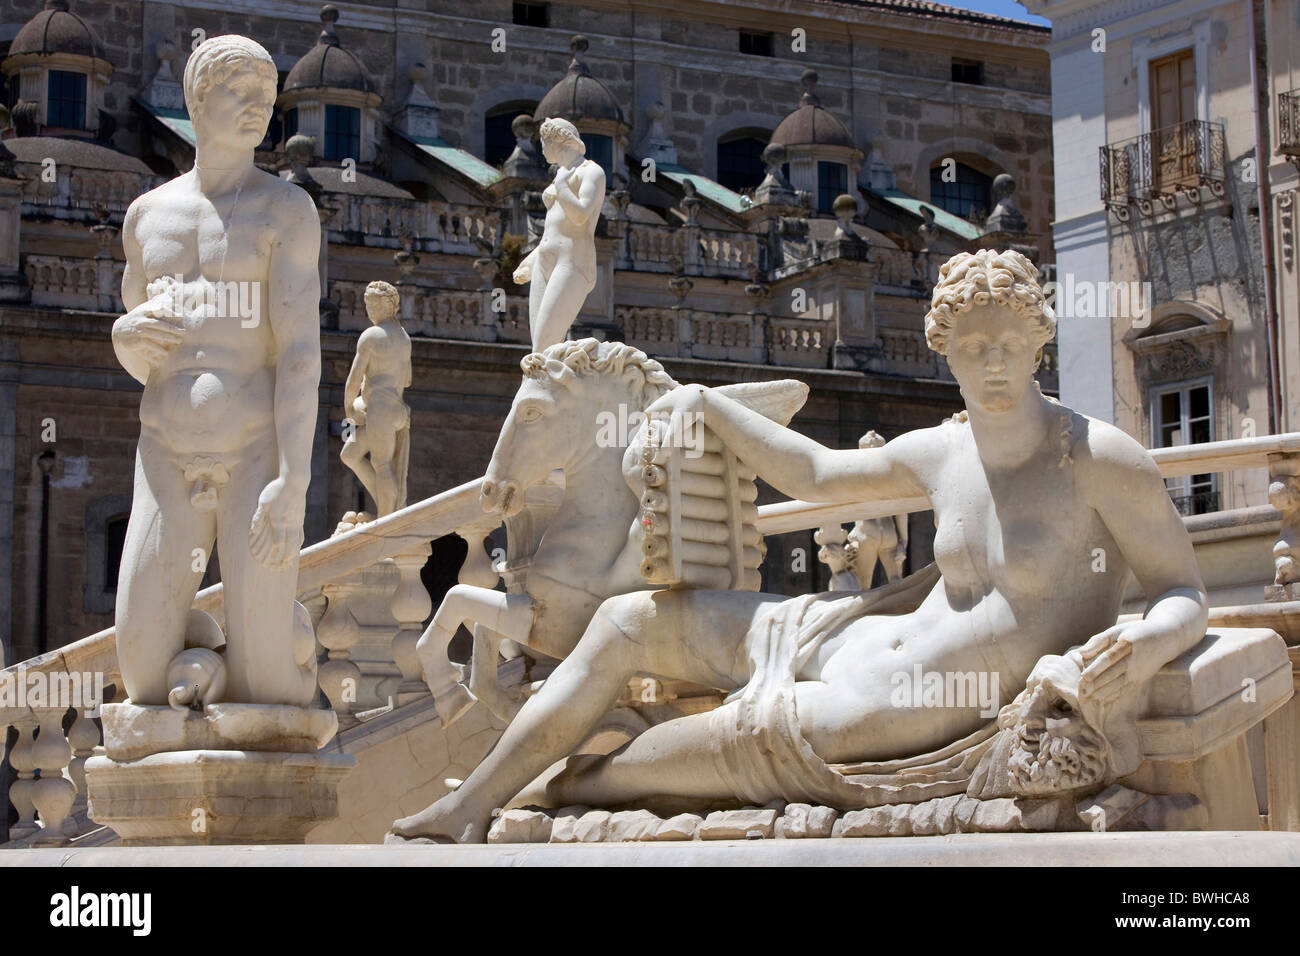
(822, 157)
(588, 104)
(330, 96)
(56, 29)
(811, 124)
(327, 64)
(62, 73)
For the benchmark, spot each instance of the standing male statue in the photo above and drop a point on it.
(377, 447)
(222, 288)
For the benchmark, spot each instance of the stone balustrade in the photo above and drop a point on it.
(76, 190)
(432, 226)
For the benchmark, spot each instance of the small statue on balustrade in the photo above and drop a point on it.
(852, 558)
(562, 268)
(377, 430)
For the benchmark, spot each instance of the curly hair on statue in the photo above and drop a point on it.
(988, 276)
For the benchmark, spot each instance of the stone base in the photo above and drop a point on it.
(1282, 592)
(132, 731)
(209, 797)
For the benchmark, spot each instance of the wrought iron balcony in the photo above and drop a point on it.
(1288, 123)
(1187, 158)
(1197, 503)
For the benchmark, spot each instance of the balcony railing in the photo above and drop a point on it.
(1288, 123)
(1186, 159)
(1197, 503)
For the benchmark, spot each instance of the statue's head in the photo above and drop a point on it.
(230, 89)
(575, 398)
(561, 143)
(1054, 749)
(990, 319)
(381, 300)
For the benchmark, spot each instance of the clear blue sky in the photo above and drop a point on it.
(1001, 8)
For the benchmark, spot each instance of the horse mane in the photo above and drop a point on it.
(590, 356)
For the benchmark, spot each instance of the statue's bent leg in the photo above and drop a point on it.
(507, 615)
(158, 580)
(695, 636)
(383, 445)
(259, 600)
(566, 290)
(354, 457)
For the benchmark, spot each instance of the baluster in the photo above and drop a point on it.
(411, 606)
(83, 738)
(53, 792)
(23, 760)
(339, 676)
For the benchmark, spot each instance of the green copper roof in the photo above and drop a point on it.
(178, 121)
(942, 217)
(713, 191)
(467, 164)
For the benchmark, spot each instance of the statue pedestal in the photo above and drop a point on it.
(229, 774)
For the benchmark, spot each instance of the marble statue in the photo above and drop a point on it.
(852, 558)
(562, 268)
(377, 429)
(221, 284)
(1026, 494)
(563, 419)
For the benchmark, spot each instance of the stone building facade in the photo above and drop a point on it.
(784, 180)
(1176, 137)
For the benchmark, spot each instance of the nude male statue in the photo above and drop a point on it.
(562, 269)
(378, 445)
(222, 287)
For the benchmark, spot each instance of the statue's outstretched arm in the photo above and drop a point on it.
(792, 463)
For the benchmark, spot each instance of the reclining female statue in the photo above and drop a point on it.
(1040, 513)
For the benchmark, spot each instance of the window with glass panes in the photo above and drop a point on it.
(832, 181)
(600, 150)
(740, 162)
(969, 191)
(65, 101)
(342, 132)
(1182, 415)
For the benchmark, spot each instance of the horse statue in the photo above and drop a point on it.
(576, 411)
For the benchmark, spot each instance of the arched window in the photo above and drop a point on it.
(740, 160)
(964, 191)
(498, 137)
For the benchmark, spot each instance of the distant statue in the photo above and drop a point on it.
(377, 445)
(852, 558)
(562, 269)
(1024, 492)
(221, 284)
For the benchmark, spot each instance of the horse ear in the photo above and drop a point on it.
(560, 372)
